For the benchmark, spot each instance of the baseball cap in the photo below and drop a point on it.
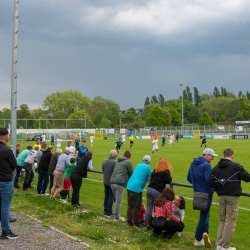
(209, 151)
(146, 158)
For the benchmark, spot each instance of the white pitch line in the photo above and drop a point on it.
(188, 198)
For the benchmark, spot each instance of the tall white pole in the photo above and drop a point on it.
(181, 108)
(85, 128)
(13, 121)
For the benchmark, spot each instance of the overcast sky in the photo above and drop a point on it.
(125, 50)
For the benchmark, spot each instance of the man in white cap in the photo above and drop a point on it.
(198, 176)
(135, 186)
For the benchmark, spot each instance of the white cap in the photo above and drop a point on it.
(146, 158)
(209, 151)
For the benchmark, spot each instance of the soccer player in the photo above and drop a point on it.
(58, 142)
(123, 139)
(171, 138)
(163, 138)
(37, 144)
(230, 136)
(155, 146)
(71, 149)
(75, 136)
(43, 137)
(177, 137)
(82, 151)
(52, 140)
(118, 145)
(131, 139)
(204, 138)
(91, 139)
(77, 141)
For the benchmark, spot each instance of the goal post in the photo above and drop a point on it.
(98, 135)
(196, 134)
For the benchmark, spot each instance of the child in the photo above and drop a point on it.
(179, 207)
(142, 215)
(67, 182)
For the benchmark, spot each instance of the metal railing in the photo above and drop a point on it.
(172, 184)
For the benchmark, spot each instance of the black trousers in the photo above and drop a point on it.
(76, 182)
(134, 202)
(169, 229)
(51, 182)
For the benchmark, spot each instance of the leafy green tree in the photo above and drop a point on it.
(248, 95)
(161, 100)
(147, 102)
(112, 112)
(216, 92)
(36, 113)
(223, 92)
(185, 95)
(146, 111)
(129, 116)
(189, 94)
(193, 115)
(80, 114)
(22, 113)
(6, 113)
(30, 123)
(105, 123)
(154, 99)
(240, 94)
(59, 123)
(156, 117)
(239, 117)
(167, 117)
(176, 118)
(231, 95)
(43, 122)
(138, 122)
(205, 120)
(197, 97)
(67, 101)
(206, 97)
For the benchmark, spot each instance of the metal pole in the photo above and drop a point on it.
(120, 122)
(26, 128)
(13, 117)
(181, 107)
(85, 128)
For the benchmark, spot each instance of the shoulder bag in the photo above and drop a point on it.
(158, 221)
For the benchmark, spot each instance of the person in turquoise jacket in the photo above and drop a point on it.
(135, 187)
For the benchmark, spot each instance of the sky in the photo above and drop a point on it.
(125, 50)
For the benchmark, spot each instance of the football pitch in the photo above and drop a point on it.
(101, 232)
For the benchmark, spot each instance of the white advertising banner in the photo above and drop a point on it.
(111, 131)
(122, 130)
(221, 136)
(146, 137)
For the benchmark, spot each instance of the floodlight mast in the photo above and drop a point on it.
(13, 118)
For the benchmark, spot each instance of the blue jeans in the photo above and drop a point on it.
(43, 179)
(6, 193)
(203, 224)
(108, 200)
(18, 171)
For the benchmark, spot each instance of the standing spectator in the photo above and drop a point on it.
(108, 166)
(37, 145)
(40, 154)
(58, 174)
(226, 178)
(159, 178)
(7, 166)
(52, 166)
(119, 179)
(18, 147)
(28, 162)
(43, 178)
(202, 169)
(135, 187)
(78, 173)
(20, 162)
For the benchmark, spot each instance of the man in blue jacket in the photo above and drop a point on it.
(199, 179)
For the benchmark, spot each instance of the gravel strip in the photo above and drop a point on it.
(32, 235)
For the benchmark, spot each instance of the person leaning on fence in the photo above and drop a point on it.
(58, 174)
(52, 166)
(8, 164)
(226, 178)
(135, 188)
(108, 167)
(199, 179)
(163, 210)
(119, 179)
(78, 173)
(159, 178)
(20, 162)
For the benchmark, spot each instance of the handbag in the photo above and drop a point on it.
(201, 200)
(158, 221)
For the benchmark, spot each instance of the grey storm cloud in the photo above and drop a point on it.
(125, 50)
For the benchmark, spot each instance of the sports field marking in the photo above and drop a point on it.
(188, 198)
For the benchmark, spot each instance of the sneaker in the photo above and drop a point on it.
(179, 234)
(122, 219)
(53, 198)
(30, 187)
(45, 194)
(79, 205)
(63, 201)
(110, 215)
(199, 243)
(138, 225)
(130, 224)
(17, 187)
(207, 242)
(218, 247)
(76, 206)
(230, 248)
(9, 236)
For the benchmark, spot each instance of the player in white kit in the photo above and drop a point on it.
(58, 142)
(91, 139)
(155, 146)
(43, 137)
(71, 149)
(123, 139)
(171, 138)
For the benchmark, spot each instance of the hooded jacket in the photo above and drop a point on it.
(45, 160)
(202, 169)
(226, 178)
(122, 172)
(159, 180)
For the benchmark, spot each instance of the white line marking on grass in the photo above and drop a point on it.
(188, 198)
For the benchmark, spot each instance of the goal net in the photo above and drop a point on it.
(98, 135)
(196, 134)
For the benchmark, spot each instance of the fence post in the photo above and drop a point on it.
(26, 128)
(171, 185)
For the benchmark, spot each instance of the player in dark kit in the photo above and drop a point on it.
(52, 140)
(77, 143)
(177, 137)
(163, 141)
(204, 138)
(118, 145)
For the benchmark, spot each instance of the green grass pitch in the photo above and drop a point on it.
(105, 233)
